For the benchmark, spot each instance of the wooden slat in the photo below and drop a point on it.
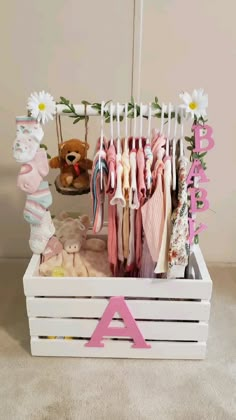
(151, 330)
(117, 349)
(189, 289)
(140, 309)
(129, 287)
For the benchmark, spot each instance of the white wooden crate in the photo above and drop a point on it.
(171, 314)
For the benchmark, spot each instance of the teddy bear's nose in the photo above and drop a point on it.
(71, 158)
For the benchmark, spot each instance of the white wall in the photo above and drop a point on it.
(83, 50)
(74, 48)
(189, 44)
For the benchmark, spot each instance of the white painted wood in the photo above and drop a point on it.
(140, 309)
(80, 109)
(131, 287)
(151, 330)
(200, 265)
(117, 349)
(73, 298)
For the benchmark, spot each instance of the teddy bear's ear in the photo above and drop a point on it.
(85, 145)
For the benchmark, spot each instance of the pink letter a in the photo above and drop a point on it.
(117, 304)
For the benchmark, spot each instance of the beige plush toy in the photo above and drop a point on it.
(72, 233)
(79, 257)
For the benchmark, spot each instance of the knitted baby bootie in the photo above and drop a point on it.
(29, 135)
(41, 233)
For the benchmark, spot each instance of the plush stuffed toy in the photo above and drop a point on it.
(73, 164)
(79, 258)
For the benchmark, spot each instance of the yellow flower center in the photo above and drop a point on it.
(193, 105)
(42, 106)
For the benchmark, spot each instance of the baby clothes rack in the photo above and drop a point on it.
(172, 314)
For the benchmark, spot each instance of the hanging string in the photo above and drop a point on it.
(59, 132)
(86, 128)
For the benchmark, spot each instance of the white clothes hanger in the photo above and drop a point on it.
(140, 126)
(134, 127)
(161, 151)
(147, 150)
(133, 197)
(101, 145)
(118, 128)
(168, 131)
(111, 123)
(112, 142)
(174, 150)
(126, 127)
(118, 198)
(149, 123)
(162, 119)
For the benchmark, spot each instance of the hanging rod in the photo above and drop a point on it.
(90, 111)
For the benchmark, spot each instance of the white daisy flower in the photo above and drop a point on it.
(41, 106)
(195, 104)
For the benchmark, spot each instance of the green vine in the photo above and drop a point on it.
(70, 109)
(194, 156)
(191, 141)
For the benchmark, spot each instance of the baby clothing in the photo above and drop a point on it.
(29, 125)
(119, 213)
(41, 233)
(162, 263)
(112, 246)
(153, 214)
(111, 161)
(126, 230)
(179, 246)
(126, 192)
(148, 164)
(37, 203)
(24, 148)
(141, 197)
(131, 257)
(118, 196)
(126, 172)
(29, 134)
(147, 264)
(31, 173)
(133, 195)
(98, 190)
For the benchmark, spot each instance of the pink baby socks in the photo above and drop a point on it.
(32, 173)
(37, 203)
(26, 150)
(41, 233)
(29, 135)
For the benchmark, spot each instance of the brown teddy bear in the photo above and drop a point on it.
(73, 164)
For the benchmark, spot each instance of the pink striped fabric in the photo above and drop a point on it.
(153, 215)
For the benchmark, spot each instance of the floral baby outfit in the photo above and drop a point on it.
(179, 246)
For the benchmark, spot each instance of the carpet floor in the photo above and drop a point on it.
(33, 388)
